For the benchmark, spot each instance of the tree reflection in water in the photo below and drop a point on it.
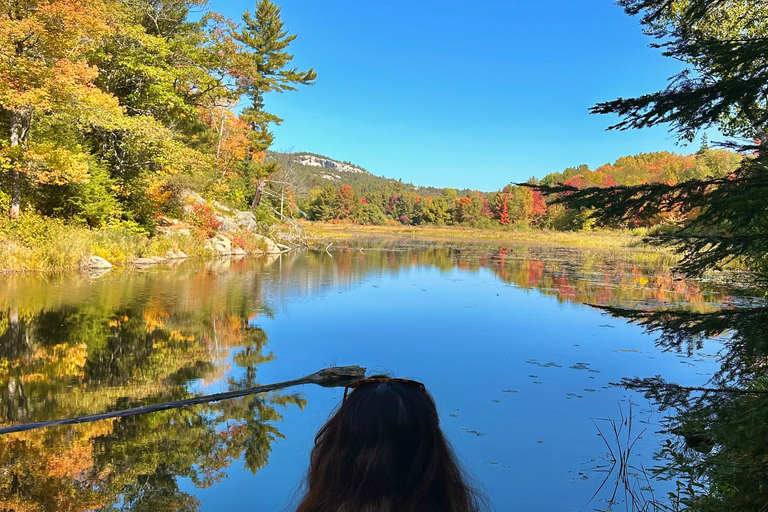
(71, 346)
(79, 360)
(717, 452)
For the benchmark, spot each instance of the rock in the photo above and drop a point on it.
(191, 198)
(175, 254)
(219, 244)
(97, 262)
(168, 226)
(144, 262)
(272, 247)
(95, 273)
(158, 259)
(228, 224)
(246, 220)
(236, 251)
(222, 207)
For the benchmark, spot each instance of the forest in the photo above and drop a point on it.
(110, 109)
(114, 113)
(383, 202)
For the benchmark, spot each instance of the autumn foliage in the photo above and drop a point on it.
(112, 108)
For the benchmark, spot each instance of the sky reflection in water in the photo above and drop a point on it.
(516, 361)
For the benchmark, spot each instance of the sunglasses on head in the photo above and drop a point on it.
(379, 380)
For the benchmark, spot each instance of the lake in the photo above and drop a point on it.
(506, 338)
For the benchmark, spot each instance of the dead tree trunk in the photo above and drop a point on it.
(259, 192)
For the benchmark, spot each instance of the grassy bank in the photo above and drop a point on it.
(35, 243)
(602, 238)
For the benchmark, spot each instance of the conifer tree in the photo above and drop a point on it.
(718, 455)
(725, 85)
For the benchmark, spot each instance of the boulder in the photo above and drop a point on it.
(144, 262)
(175, 254)
(219, 244)
(246, 220)
(97, 262)
(228, 224)
(271, 246)
(190, 198)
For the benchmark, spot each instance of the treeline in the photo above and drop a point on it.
(111, 109)
(514, 205)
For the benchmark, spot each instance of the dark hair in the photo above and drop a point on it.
(383, 451)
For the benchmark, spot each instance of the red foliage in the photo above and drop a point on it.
(577, 181)
(238, 242)
(346, 200)
(204, 220)
(539, 206)
(486, 211)
(504, 215)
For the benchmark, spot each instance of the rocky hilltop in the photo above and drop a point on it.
(317, 171)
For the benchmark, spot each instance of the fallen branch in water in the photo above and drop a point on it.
(327, 377)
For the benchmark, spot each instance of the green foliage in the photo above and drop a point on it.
(112, 108)
(719, 211)
(322, 203)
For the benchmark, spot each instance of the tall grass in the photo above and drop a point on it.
(595, 238)
(35, 243)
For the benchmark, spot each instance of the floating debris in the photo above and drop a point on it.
(550, 364)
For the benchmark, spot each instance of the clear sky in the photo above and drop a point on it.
(471, 94)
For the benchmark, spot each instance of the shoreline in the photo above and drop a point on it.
(72, 247)
(581, 239)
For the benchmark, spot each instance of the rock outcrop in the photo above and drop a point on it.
(271, 246)
(222, 246)
(175, 254)
(97, 263)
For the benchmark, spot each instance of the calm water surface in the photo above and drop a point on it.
(518, 362)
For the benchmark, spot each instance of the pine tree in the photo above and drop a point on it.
(725, 86)
(267, 69)
(719, 460)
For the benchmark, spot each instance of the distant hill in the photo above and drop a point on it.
(317, 171)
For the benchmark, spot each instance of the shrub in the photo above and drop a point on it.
(204, 220)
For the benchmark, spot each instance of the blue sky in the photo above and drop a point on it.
(464, 94)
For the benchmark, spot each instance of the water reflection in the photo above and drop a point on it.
(717, 452)
(73, 361)
(71, 346)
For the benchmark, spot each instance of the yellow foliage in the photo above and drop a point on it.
(156, 191)
(52, 165)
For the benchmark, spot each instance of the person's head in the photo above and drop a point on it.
(383, 451)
